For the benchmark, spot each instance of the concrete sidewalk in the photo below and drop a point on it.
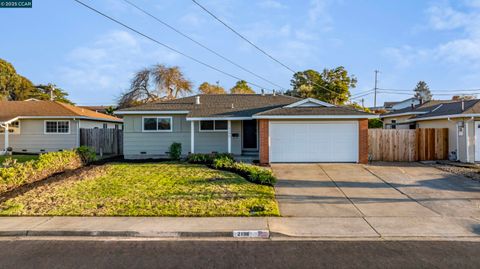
(277, 227)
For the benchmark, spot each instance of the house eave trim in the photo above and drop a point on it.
(309, 100)
(64, 117)
(218, 118)
(401, 114)
(447, 117)
(316, 117)
(152, 112)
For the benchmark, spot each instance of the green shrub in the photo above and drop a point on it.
(223, 163)
(375, 123)
(15, 174)
(207, 158)
(200, 158)
(252, 173)
(87, 154)
(175, 151)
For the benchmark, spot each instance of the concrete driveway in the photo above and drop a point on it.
(393, 199)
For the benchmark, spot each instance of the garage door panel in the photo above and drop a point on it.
(314, 141)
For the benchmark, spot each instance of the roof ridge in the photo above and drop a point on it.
(66, 106)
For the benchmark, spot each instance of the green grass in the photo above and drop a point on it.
(152, 189)
(19, 158)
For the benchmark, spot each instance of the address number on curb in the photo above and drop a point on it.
(251, 234)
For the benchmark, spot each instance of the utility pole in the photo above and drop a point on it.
(52, 88)
(363, 103)
(375, 94)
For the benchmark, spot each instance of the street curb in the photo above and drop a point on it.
(34, 233)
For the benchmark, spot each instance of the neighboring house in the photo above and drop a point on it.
(462, 118)
(391, 106)
(276, 128)
(43, 126)
(99, 109)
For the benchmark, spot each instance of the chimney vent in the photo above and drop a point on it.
(274, 93)
(463, 105)
(197, 99)
(263, 92)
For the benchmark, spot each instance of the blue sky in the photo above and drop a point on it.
(94, 59)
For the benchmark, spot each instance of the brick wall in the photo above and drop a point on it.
(263, 128)
(363, 141)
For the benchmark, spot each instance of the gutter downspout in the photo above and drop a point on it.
(467, 141)
(456, 139)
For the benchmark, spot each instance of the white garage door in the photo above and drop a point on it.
(314, 141)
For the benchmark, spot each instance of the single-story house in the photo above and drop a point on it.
(390, 106)
(462, 118)
(276, 128)
(44, 126)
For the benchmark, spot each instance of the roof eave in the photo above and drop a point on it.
(159, 112)
(446, 117)
(401, 114)
(315, 116)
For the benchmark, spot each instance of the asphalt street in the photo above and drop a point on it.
(238, 254)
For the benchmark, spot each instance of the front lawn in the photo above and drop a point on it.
(151, 189)
(19, 158)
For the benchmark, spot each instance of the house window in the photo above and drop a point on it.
(57, 127)
(394, 126)
(105, 126)
(157, 124)
(213, 125)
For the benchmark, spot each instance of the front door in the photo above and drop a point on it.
(250, 134)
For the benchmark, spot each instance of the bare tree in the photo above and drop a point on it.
(156, 83)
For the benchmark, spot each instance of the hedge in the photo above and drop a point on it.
(13, 174)
(252, 173)
(201, 158)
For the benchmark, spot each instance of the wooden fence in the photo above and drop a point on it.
(408, 145)
(104, 141)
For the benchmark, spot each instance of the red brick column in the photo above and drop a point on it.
(263, 128)
(363, 141)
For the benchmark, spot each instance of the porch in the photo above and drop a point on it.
(237, 137)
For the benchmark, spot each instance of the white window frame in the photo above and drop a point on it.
(211, 131)
(157, 131)
(56, 133)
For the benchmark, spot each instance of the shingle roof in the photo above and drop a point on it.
(240, 105)
(452, 108)
(12, 109)
(217, 103)
(334, 111)
(425, 107)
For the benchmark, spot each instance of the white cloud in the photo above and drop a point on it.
(105, 66)
(464, 48)
(318, 14)
(446, 18)
(272, 4)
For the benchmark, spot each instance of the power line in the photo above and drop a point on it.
(166, 46)
(443, 94)
(255, 46)
(360, 96)
(200, 44)
(453, 90)
(241, 36)
(358, 93)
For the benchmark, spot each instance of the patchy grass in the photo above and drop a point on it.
(19, 158)
(152, 189)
